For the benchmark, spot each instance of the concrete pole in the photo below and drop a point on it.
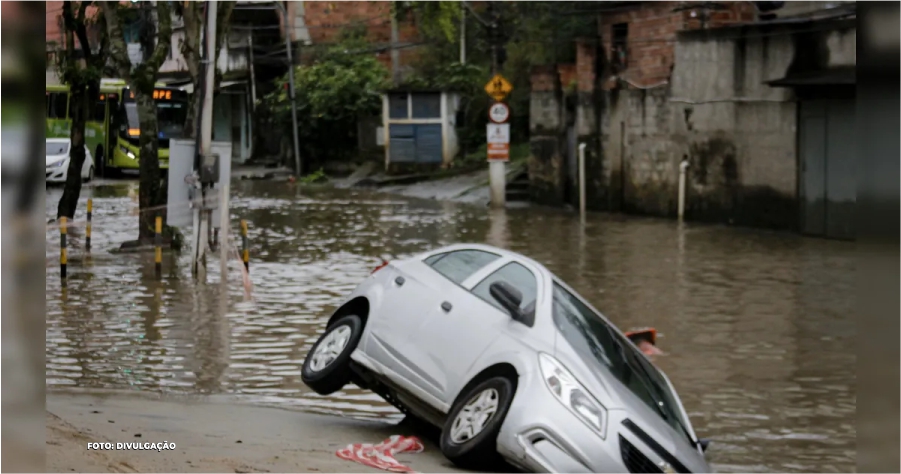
(497, 176)
(206, 135)
(582, 180)
(288, 46)
(683, 167)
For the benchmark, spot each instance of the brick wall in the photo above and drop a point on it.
(326, 21)
(652, 28)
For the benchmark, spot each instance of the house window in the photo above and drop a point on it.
(397, 106)
(426, 105)
(620, 43)
(132, 32)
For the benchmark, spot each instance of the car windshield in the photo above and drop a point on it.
(598, 343)
(57, 148)
(171, 117)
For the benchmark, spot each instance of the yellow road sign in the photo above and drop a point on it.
(498, 87)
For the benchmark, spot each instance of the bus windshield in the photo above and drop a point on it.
(171, 112)
(170, 115)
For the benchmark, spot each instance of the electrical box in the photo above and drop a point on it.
(209, 168)
(182, 183)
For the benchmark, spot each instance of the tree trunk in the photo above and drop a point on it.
(194, 106)
(151, 200)
(72, 190)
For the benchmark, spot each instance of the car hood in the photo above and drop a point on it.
(51, 159)
(611, 393)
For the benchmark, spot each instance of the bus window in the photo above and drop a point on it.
(56, 105)
(99, 112)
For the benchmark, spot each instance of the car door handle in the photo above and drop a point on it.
(400, 281)
(446, 307)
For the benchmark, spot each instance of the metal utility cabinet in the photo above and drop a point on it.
(420, 127)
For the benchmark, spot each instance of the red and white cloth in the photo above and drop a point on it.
(381, 455)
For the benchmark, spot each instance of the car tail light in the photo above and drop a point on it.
(383, 265)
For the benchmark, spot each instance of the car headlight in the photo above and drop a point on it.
(127, 152)
(572, 394)
(58, 163)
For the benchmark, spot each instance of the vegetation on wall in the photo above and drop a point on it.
(331, 94)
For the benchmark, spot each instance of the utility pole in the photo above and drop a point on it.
(202, 214)
(395, 53)
(291, 97)
(462, 33)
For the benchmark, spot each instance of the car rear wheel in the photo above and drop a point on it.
(469, 437)
(327, 366)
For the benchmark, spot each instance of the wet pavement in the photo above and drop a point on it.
(758, 327)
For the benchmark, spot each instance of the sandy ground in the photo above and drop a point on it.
(210, 436)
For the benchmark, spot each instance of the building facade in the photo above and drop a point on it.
(760, 111)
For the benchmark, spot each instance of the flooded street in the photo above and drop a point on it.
(758, 328)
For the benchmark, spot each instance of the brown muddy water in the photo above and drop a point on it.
(758, 327)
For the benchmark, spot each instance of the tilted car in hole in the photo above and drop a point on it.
(508, 361)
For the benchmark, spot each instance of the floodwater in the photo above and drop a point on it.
(758, 327)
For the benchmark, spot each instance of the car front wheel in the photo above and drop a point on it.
(327, 366)
(469, 437)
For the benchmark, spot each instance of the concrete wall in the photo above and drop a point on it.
(737, 132)
(547, 133)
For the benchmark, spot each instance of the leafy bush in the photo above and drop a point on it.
(331, 95)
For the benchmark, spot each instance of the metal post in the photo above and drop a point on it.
(63, 260)
(158, 250)
(87, 232)
(223, 227)
(582, 179)
(291, 97)
(245, 249)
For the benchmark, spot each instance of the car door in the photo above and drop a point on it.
(414, 289)
(466, 322)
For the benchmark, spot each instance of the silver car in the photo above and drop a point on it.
(509, 362)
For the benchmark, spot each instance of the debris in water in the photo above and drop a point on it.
(381, 456)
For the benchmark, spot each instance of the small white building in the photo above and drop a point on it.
(419, 127)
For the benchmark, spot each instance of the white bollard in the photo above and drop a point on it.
(582, 179)
(683, 167)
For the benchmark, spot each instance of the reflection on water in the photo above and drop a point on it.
(757, 326)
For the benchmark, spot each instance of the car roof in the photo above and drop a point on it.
(59, 140)
(504, 253)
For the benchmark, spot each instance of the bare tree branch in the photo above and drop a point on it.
(118, 50)
(223, 20)
(164, 36)
(81, 31)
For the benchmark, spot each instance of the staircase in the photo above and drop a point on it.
(518, 187)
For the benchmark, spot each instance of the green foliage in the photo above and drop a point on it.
(317, 177)
(331, 96)
(437, 20)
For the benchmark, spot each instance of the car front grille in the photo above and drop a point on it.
(634, 460)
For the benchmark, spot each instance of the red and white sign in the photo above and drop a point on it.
(498, 142)
(499, 112)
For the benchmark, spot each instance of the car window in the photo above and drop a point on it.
(57, 148)
(515, 274)
(598, 343)
(459, 265)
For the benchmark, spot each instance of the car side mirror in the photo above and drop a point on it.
(704, 444)
(508, 296)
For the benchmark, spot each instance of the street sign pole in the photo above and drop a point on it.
(498, 135)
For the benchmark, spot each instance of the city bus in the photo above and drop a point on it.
(112, 131)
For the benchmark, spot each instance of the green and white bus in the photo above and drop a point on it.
(112, 130)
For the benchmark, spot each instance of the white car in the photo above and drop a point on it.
(58, 161)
